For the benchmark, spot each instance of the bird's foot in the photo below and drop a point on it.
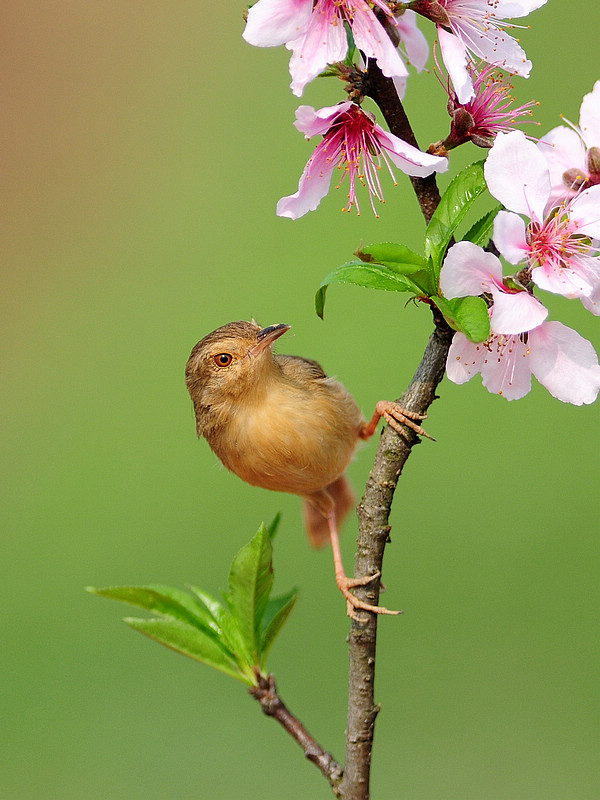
(396, 416)
(352, 602)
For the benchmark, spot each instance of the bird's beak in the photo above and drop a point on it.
(267, 336)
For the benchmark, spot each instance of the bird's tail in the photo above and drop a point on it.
(316, 523)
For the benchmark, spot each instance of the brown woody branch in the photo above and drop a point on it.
(383, 92)
(374, 509)
(273, 706)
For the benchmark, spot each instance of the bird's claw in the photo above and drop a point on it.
(397, 416)
(353, 603)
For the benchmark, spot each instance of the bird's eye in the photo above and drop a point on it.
(223, 359)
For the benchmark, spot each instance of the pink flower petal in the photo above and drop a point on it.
(370, 37)
(464, 359)
(589, 117)
(563, 150)
(592, 302)
(409, 159)
(500, 49)
(585, 211)
(565, 363)
(274, 22)
(469, 270)
(509, 9)
(400, 86)
(455, 58)
(417, 47)
(312, 187)
(312, 123)
(324, 42)
(509, 236)
(570, 283)
(517, 175)
(506, 369)
(515, 312)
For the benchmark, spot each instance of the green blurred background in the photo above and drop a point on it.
(144, 149)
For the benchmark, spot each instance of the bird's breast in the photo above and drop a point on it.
(292, 439)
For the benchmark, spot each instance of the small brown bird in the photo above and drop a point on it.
(280, 423)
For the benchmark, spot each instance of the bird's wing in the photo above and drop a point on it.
(299, 369)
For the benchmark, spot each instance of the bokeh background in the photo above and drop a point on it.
(144, 147)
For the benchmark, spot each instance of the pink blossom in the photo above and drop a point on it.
(468, 28)
(486, 115)
(573, 154)
(355, 145)
(317, 36)
(413, 48)
(412, 41)
(557, 244)
(522, 343)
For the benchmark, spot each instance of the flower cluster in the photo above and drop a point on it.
(316, 34)
(468, 28)
(522, 342)
(552, 232)
(330, 34)
(486, 114)
(355, 145)
(573, 154)
(549, 226)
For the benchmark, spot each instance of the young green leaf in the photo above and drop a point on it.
(162, 600)
(466, 314)
(274, 525)
(190, 641)
(234, 637)
(373, 276)
(277, 612)
(230, 634)
(456, 201)
(250, 582)
(390, 253)
(481, 232)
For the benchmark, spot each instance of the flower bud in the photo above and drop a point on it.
(573, 179)
(593, 164)
(432, 10)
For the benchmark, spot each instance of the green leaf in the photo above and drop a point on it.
(234, 637)
(390, 253)
(230, 634)
(272, 528)
(163, 600)
(250, 582)
(466, 314)
(481, 232)
(372, 276)
(190, 642)
(456, 201)
(277, 612)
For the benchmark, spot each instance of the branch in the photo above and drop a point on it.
(374, 509)
(383, 92)
(273, 706)
(373, 535)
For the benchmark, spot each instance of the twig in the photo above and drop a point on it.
(273, 706)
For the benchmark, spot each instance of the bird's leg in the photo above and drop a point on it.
(344, 582)
(396, 416)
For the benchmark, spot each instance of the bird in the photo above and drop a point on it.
(279, 422)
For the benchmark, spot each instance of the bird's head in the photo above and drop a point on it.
(231, 361)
